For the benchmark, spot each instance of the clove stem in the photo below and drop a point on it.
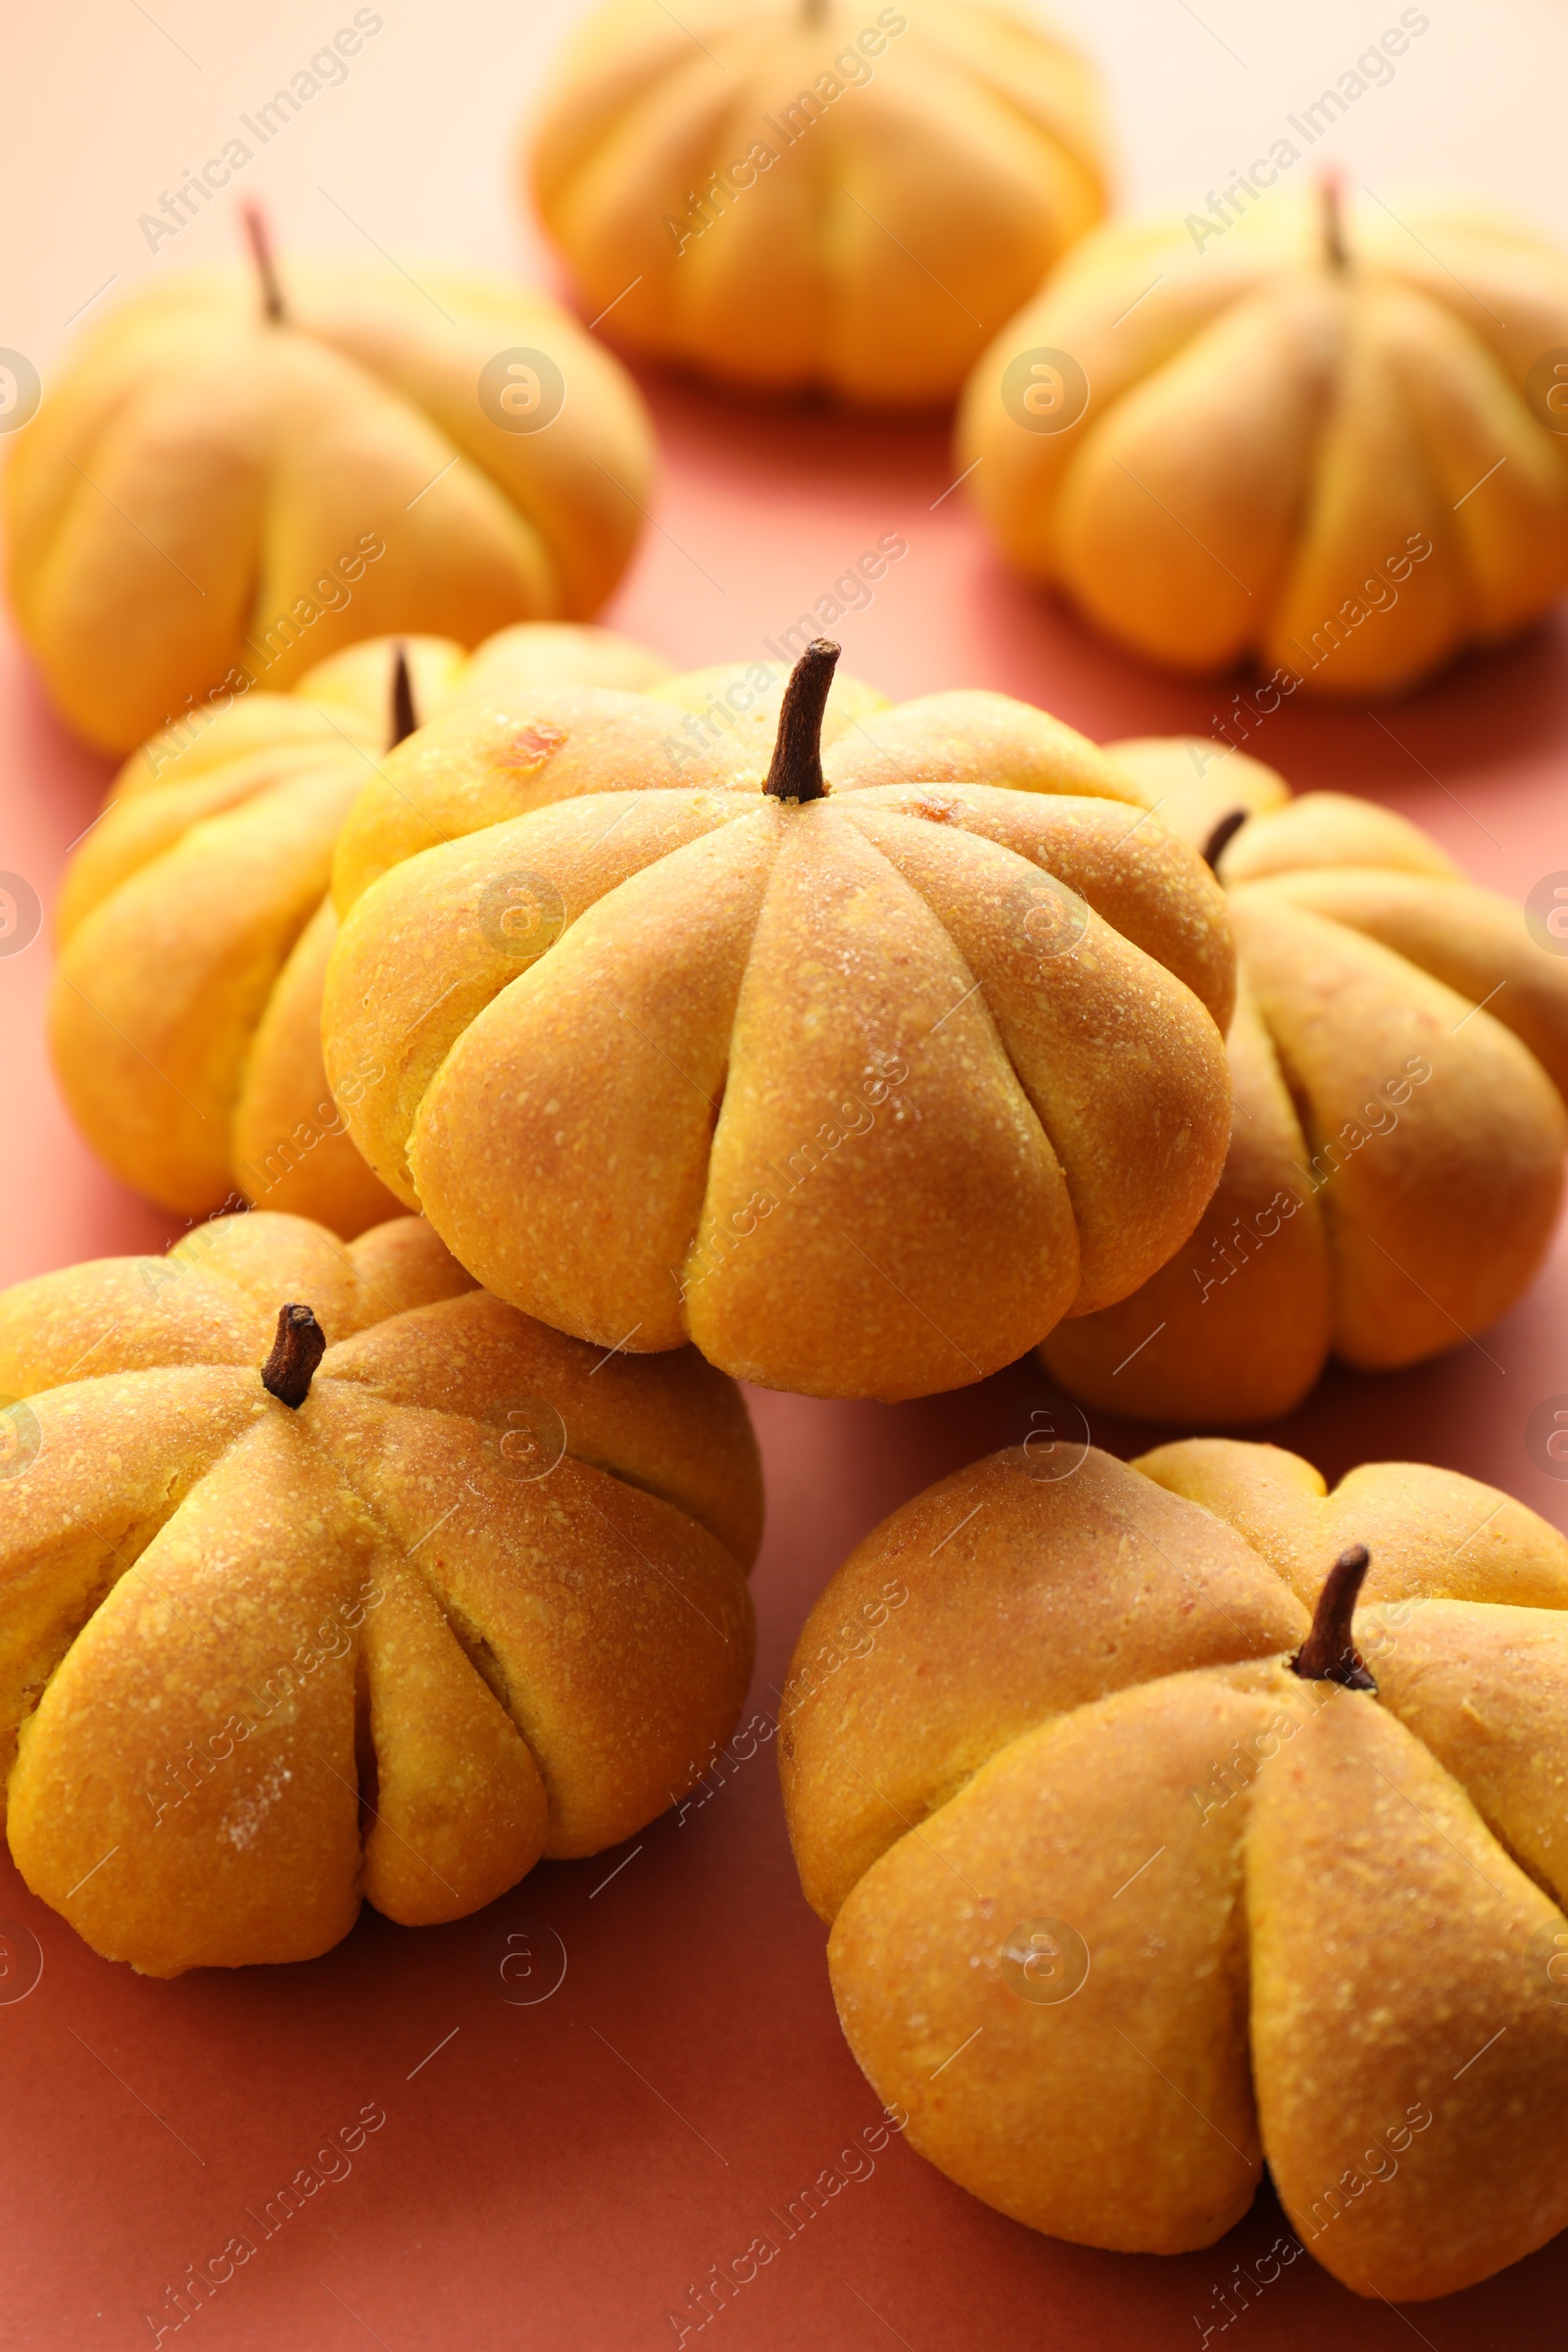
(797, 770)
(1224, 833)
(261, 255)
(1331, 216)
(1328, 1654)
(298, 1348)
(403, 720)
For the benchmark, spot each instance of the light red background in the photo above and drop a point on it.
(557, 2175)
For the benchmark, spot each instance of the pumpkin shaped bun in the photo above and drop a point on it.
(798, 194)
(1147, 1866)
(194, 923)
(1399, 1062)
(325, 1576)
(241, 472)
(861, 1088)
(1328, 440)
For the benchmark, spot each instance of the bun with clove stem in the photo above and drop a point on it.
(1399, 1066)
(244, 470)
(194, 928)
(1179, 1817)
(857, 1044)
(796, 194)
(1320, 435)
(325, 1577)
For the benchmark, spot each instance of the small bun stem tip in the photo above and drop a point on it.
(298, 1348)
(404, 716)
(260, 245)
(1224, 833)
(797, 770)
(1331, 220)
(1329, 1654)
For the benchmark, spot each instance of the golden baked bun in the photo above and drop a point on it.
(194, 925)
(281, 1629)
(790, 194)
(858, 1089)
(213, 492)
(1328, 441)
(1399, 1059)
(1140, 1877)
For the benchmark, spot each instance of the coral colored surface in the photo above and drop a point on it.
(561, 2171)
